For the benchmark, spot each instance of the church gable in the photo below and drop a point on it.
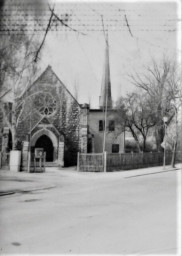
(48, 81)
(48, 103)
(48, 97)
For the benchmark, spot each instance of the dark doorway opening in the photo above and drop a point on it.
(45, 142)
(89, 145)
(9, 141)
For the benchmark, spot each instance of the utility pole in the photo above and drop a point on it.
(105, 116)
(175, 140)
(165, 119)
(105, 125)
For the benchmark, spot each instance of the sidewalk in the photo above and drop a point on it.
(19, 182)
(22, 182)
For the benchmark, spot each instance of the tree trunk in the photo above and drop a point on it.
(138, 145)
(144, 143)
(175, 143)
(13, 128)
(135, 137)
(159, 136)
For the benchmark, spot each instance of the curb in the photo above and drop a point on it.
(10, 192)
(150, 173)
(6, 193)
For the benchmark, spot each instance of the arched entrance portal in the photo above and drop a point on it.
(45, 142)
(53, 146)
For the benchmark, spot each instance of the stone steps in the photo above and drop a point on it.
(51, 164)
(47, 164)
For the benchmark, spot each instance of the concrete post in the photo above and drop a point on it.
(61, 154)
(78, 161)
(83, 141)
(133, 166)
(84, 128)
(25, 156)
(105, 161)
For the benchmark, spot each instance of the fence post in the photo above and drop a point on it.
(142, 160)
(105, 161)
(152, 159)
(29, 161)
(119, 160)
(124, 161)
(78, 161)
(132, 160)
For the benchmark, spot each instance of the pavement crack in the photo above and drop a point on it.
(31, 200)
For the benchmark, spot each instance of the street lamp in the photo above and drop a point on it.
(165, 119)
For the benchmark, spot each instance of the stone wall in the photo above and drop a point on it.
(65, 117)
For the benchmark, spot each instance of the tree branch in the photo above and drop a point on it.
(127, 24)
(5, 93)
(47, 30)
(62, 21)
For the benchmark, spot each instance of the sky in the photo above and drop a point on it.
(78, 57)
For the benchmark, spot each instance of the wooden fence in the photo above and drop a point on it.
(115, 161)
(90, 162)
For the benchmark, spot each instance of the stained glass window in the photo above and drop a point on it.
(45, 104)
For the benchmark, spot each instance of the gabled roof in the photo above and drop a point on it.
(49, 68)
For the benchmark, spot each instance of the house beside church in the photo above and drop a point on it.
(102, 123)
(52, 119)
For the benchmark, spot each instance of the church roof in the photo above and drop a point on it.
(49, 68)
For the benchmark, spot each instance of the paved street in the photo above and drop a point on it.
(66, 212)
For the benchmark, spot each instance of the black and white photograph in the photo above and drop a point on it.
(90, 127)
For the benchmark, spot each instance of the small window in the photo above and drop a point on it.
(115, 148)
(111, 126)
(101, 125)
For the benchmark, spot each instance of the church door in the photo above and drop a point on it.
(45, 142)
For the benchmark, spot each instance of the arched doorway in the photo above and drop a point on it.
(45, 142)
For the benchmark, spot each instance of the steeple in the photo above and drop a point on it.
(105, 97)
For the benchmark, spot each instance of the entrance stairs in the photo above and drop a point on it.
(51, 164)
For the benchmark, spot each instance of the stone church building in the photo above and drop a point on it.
(52, 119)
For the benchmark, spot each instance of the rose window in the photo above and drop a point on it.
(45, 104)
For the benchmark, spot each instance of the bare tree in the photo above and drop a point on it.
(20, 51)
(162, 86)
(17, 71)
(138, 117)
(17, 66)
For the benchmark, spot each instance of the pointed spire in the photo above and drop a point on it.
(105, 97)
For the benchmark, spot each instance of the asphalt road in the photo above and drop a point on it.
(94, 213)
